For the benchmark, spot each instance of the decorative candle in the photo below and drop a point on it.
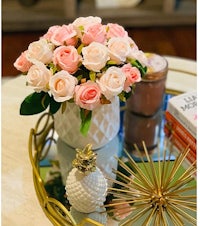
(149, 93)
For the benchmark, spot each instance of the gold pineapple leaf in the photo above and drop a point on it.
(85, 160)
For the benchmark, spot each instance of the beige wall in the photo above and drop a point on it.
(50, 12)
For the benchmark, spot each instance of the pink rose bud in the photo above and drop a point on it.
(116, 30)
(22, 64)
(95, 33)
(87, 95)
(132, 75)
(64, 35)
(122, 211)
(67, 58)
(51, 31)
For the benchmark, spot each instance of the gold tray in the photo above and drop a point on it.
(40, 141)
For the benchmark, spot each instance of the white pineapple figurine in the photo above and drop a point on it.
(86, 186)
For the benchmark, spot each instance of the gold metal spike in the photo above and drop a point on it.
(157, 194)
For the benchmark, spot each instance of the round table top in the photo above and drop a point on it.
(20, 206)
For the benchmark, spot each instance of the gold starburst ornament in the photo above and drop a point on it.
(156, 192)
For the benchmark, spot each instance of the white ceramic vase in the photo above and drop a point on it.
(104, 125)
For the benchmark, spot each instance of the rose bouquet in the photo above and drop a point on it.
(85, 62)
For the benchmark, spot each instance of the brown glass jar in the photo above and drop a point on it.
(139, 128)
(149, 93)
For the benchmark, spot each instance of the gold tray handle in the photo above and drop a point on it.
(40, 141)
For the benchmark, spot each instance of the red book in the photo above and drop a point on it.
(180, 144)
(175, 127)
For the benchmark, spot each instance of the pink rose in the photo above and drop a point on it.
(64, 35)
(95, 33)
(38, 76)
(132, 75)
(50, 32)
(87, 95)
(112, 82)
(82, 23)
(22, 64)
(115, 30)
(67, 58)
(122, 211)
(62, 86)
(95, 56)
(40, 50)
(119, 49)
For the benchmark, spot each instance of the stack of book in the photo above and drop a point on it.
(181, 123)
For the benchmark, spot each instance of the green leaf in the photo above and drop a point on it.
(35, 103)
(86, 117)
(123, 96)
(133, 88)
(92, 76)
(81, 28)
(137, 64)
(79, 50)
(53, 67)
(111, 62)
(79, 77)
(54, 105)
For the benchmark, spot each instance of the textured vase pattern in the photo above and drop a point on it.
(104, 125)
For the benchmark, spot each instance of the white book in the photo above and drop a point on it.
(184, 108)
